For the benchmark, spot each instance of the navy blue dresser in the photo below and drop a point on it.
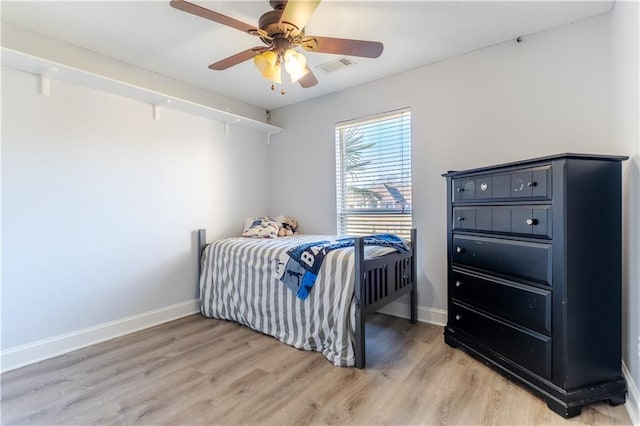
(534, 275)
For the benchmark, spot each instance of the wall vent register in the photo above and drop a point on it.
(534, 275)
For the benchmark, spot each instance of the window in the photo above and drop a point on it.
(373, 175)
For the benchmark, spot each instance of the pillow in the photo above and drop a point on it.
(262, 227)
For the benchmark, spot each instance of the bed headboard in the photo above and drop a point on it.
(202, 240)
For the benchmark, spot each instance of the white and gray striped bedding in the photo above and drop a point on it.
(237, 283)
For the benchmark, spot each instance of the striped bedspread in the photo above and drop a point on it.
(238, 284)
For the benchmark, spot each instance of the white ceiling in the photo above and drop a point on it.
(154, 36)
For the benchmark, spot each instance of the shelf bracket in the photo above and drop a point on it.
(269, 138)
(45, 80)
(227, 124)
(156, 108)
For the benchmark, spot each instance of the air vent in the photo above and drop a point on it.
(338, 64)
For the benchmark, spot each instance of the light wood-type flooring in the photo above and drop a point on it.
(202, 371)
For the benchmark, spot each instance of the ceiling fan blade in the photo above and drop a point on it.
(296, 14)
(308, 80)
(237, 58)
(194, 9)
(343, 46)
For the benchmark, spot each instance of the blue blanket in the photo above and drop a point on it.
(298, 268)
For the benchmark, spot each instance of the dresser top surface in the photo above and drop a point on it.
(617, 158)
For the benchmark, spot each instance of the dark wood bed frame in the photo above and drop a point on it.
(378, 282)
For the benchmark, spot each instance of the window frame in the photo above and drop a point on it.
(385, 219)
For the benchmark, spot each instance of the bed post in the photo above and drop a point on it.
(359, 348)
(202, 243)
(414, 284)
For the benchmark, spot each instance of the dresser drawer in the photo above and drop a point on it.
(527, 306)
(530, 183)
(519, 259)
(494, 186)
(531, 221)
(527, 220)
(530, 350)
(464, 218)
(464, 189)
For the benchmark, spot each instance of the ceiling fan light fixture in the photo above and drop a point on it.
(265, 61)
(295, 63)
(275, 74)
(298, 75)
(269, 65)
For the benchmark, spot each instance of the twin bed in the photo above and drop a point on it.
(238, 283)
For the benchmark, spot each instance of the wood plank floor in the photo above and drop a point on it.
(202, 371)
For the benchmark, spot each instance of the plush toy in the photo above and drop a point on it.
(288, 227)
(262, 227)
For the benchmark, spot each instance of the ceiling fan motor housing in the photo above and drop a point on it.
(278, 4)
(269, 22)
(280, 44)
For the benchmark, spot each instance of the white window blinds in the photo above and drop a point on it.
(373, 175)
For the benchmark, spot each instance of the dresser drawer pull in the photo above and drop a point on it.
(532, 221)
(458, 317)
(458, 283)
(532, 184)
(460, 189)
(460, 218)
(459, 249)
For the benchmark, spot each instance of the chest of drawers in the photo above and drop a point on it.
(534, 275)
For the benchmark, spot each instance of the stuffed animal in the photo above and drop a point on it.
(262, 227)
(289, 226)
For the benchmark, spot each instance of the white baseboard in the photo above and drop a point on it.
(428, 315)
(633, 396)
(30, 353)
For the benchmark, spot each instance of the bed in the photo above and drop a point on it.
(237, 283)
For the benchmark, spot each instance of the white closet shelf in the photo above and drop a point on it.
(51, 70)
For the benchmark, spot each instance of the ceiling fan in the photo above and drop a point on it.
(282, 30)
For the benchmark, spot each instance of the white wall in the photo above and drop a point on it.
(100, 203)
(625, 76)
(549, 94)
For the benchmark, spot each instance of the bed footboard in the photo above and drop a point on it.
(378, 282)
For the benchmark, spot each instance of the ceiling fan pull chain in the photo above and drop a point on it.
(282, 91)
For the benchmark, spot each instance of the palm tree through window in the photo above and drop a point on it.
(373, 174)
